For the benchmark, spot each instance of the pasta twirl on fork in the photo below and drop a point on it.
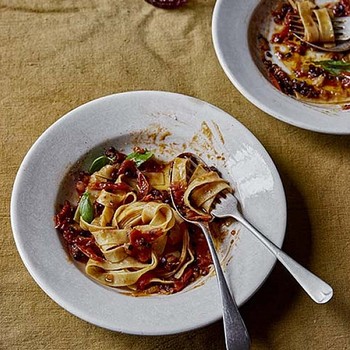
(124, 228)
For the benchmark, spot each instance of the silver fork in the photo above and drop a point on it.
(227, 206)
(341, 28)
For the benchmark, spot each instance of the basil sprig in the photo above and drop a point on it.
(334, 67)
(99, 163)
(139, 158)
(86, 208)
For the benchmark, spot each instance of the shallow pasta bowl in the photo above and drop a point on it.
(236, 26)
(167, 124)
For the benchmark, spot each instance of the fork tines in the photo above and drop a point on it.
(296, 26)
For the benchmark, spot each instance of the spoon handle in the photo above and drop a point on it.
(236, 334)
(317, 289)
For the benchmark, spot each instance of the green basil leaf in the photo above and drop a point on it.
(86, 208)
(99, 163)
(334, 67)
(334, 64)
(139, 158)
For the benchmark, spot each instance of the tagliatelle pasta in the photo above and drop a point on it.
(201, 189)
(125, 230)
(316, 21)
(325, 26)
(312, 33)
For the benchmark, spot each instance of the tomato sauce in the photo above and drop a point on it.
(81, 244)
(110, 186)
(140, 246)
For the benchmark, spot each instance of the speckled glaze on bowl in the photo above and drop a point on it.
(235, 29)
(166, 123)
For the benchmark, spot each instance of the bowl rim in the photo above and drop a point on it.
(48, 289)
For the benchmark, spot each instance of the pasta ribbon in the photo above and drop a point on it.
(310, 27)
(145, 216)
(325, 26)
(119, 274)
(120, 269)
(135, 238)
(159, 180)
(202, 187)
(317, 22)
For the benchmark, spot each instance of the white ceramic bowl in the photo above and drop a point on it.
(235, 28)
(168, 124)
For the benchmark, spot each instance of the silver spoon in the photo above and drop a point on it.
(226, 205)
(236, 334)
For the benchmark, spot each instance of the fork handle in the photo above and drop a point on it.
(236, 334)
(316, 288)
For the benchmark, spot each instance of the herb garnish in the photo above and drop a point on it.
(86, 208)
(334, 67)
(139, 157)
(99, 163)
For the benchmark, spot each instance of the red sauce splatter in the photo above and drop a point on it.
(201, 250)
(152, 165)
(184, 280)
(88, 247)
(143, 282)
(141, 244)
(157, 195)
(82, 181)
(128, 168)
(341, 9)
(178, 190)
(143, 185)
(110, 186)
(80, 244)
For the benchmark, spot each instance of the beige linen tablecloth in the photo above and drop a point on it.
(58, 54)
